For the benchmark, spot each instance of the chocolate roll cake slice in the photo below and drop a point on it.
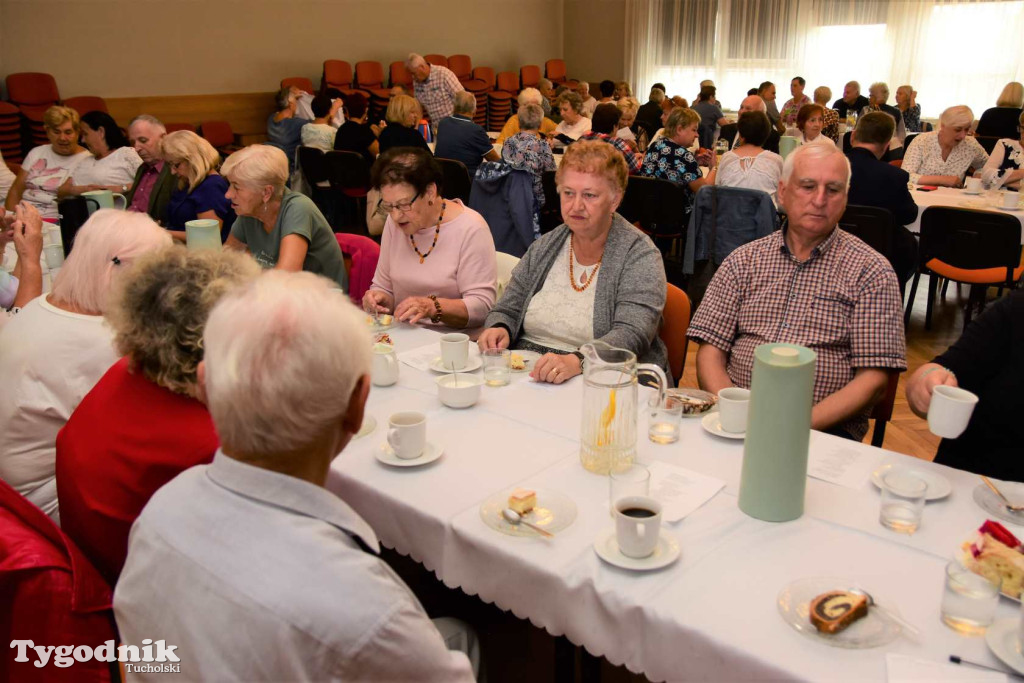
(833, 611)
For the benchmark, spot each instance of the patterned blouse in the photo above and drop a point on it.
(669, 160)
(830, 124)
(924, 157)
(525, 151)
(912, 119)
(1007, 157)
(633, 160)
(791, 108)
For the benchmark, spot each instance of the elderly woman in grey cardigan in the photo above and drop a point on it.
(594, 277)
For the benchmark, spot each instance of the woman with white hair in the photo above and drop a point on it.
(201, 189)
(943, 157)
(878, 101)
(512, 126)
(906, 102)
(282, 229)
(525, 151)
(1001, 120)
(58, 346)
(574, 124)
(144, 422)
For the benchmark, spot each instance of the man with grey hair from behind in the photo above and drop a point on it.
(811, 284)
(462, 139)
(154, 183)
(435, 87)
(262, 573)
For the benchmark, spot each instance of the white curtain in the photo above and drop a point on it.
(950, 51)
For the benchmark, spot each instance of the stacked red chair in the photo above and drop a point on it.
(370, 78)
(529, 76)
(220, 136)
(32, 93)
(172, 127)
(10, 134)
(499, 102)
(337, 74)
(86, 103)
(462, 67)
(436, 60)
(301, 82)
(554, 71)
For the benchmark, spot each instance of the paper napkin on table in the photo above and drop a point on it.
(422, 357)
(903, 669)
(680, 491)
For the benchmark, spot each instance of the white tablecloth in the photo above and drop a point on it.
(948, 196)
(711, 615)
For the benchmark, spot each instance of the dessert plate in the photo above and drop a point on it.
(529, 358)
(872, 630)
(472, 363)
(386, 322)
(554, 512)
(992, 504)
(938, 486)
(665, 553)
(712, 423)
(431, 452)
(369, 424)
(696, 403)
(972, 192)
(1001, 638)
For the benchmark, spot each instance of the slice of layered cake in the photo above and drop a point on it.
(833, 611)
(997, 555)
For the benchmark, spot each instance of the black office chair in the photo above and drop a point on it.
(551, 212)
(349, 176)
(987, 142)
(73, 213)
(876, 227)
(456, 182)
(658, 207)
(315, 169)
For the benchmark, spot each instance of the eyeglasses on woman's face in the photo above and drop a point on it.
(403, 206)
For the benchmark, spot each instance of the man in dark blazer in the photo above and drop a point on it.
(876, 183)
(153, 185)
(751, 103)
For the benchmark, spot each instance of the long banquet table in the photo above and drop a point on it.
(712, 615)
(949, 196)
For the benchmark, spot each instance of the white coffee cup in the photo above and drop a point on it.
(733, 404)
(637, 525)
(384, 371)
(1010, 199)
(54, 254)
(407, 434)
(454, 350)
(972, 184)
(950, 410)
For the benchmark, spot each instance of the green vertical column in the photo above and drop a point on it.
(774, 473)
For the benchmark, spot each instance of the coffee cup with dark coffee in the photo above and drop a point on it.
(637, 525)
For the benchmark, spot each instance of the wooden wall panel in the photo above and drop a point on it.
(246, 112)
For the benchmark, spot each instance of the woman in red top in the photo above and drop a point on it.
(143, 423)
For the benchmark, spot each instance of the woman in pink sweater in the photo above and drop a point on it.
(437, 259)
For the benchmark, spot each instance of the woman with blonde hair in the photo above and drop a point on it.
(942, 157)
(669, 158)
(595, 277)
(201, 189)
(58, 346)
(1001, 120)
(282, 229)
(829, 116)
(144, 422)
(46, 167)
(403, 114)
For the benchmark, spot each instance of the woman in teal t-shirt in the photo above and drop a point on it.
(280, 228)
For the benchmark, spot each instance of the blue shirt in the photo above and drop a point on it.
(460, 139)
(208, 196)
(286, 135)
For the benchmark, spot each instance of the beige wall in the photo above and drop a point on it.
(131, 48)
(595, 46)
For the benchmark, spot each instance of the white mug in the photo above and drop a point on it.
(407, 434)
(454, 350)
(1010, 199)
(950, 410)
(384, 372)
(972, 184)
(637, 525)
(54, 254)
(733, 405)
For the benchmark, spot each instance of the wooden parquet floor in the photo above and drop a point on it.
(906, 432)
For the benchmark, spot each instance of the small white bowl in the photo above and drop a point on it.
(466, 394)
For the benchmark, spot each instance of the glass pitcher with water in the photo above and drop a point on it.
(608, 429)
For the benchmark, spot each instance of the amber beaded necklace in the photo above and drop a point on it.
(437, 232)
(572, 276)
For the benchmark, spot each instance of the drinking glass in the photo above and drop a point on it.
(968, 600)
(634, 480)
(903, 495)
(497, 367)
(663, 420)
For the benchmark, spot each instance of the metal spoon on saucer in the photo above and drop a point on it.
(515, 519)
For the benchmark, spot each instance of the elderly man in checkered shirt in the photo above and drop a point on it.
(810, 284)
(435, 87)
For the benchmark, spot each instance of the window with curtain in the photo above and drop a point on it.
(950, 51)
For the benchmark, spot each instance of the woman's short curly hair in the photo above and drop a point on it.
(597, 157)
(160, 308)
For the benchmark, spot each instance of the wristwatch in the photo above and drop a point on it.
(580, 356)
(436, 318)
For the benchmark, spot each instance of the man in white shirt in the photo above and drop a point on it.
(249, 566)
(589, 103)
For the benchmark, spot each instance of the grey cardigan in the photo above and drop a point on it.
(630, 292)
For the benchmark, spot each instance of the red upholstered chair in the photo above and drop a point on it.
(220, 135)
(361, 255)
(400, 75)
(529, 76)
(461, 66)
(369, 75)
(301, 82)
(554, 70)
(51, 594)
(438, 60)
(508, 82)
(86, 103)
(485, 74)
(336, 74)
(10, 134)
(676, 316)
(32, 93)
(171, 127)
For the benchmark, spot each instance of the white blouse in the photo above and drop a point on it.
(575, 130)
(1005, 148)
(924, 157)
(117, 168)
(319, 135)
(820, 140)
(761, 172)
(558, 316)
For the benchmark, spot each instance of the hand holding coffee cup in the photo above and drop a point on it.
(733, 406)
(637, 525)
(407, 434)
(454, 350)
(950, 411)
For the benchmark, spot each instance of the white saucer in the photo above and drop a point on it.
(369, 424)
(387, 456)
(938, 486)
(665, 553)
(472, 363)
(1003, 208)
(712, 423)
(972, 193)
(1001, 638)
